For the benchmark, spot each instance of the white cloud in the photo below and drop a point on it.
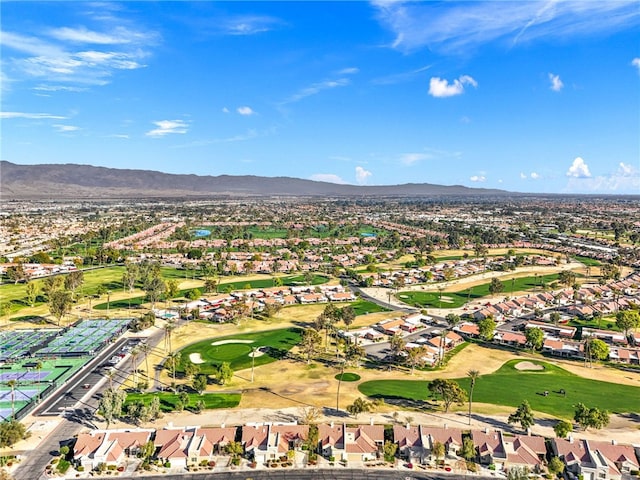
(440, 87)
(523, 175)
(636, 63)
(462, 26)
(402, 77)
(316, 88)
(534, 176)
(626, 170)
(249, 24)
(412, 158)
(246, 111)
(362, 175)
(625, 179)
(327, 177)
(556, 83)
(59, 88)
(478, 178)
(578, 169)
(116, 36)
(32, 116)
(225, 110)
(166, 127)
(349, 71)
(69, 56)
(66, 128)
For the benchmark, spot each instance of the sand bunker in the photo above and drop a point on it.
(256, 353)
(224, 342)
(195, 358)
(528, 366)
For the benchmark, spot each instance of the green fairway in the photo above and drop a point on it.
(459, 298)
(267, 233)
(236, 349)
(509, 387)
(348, 377)
(589, 262)
(364, 307)
(227, 286)
(168, 401)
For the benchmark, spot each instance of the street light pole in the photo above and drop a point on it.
(253, 361)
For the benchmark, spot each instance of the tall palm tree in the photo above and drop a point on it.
(473, 375)
(145, 349)
(39, 369)
(174, 358)
(12, 384)
(110, 374)
(134, 370)
(169, 327)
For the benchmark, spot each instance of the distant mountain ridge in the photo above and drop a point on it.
(57, 181)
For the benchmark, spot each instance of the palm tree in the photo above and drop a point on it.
(39, 369)
(134, 370)
(473, 375)
(110, 374)
(169, 327)
(174, 358)
(146, 349)
(12, 384)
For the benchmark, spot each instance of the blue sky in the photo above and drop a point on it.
(530, 96)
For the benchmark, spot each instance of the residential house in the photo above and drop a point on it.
(110, 447)
(451, 438)
(490, 447)
(363, 442)
(255, 439)
(525, 451)
(409, 440)
(582, 461)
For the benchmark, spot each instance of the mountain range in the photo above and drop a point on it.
(68, 181)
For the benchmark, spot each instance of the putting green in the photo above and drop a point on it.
(229, 351)
(236, 349)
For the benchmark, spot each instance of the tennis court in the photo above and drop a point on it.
(20, 343)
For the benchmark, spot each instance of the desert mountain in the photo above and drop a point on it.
(57, 181)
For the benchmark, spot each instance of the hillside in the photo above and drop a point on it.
(58, 181)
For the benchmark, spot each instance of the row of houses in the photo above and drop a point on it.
(558, 341)
(264, 443)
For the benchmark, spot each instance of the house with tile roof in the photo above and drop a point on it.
(525, 451)
(409, 440)
(490, 447)
(110, 447)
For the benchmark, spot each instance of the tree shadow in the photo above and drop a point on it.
(493, 422)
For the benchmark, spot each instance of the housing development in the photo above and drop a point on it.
(405, 336)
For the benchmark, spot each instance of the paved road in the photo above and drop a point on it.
(311, 474)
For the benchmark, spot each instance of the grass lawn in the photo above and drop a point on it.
(364, 307)
(348, 377)
(589, 262)
(231, 286)
(509, 387)
(275, 343)
(267, 233)
(605, 323)
(168, 401)
(294, 280)
(459, 298)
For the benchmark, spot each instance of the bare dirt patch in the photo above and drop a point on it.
(528, 366)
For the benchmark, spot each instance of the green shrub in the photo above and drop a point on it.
(63, 466)
(167, 464)
(235, 461)
(111, 467)
(80, 468)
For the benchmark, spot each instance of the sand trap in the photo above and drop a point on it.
(224, 342)
(446, 299)
(195, 358)
(256, 353)
(528, 366)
